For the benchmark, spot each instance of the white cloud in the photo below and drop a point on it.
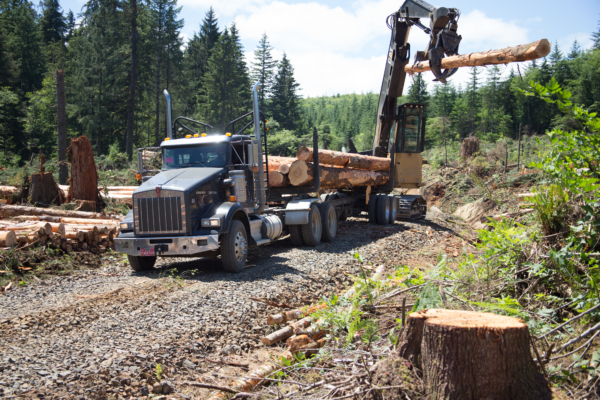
(342, 50)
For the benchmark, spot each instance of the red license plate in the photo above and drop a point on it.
(147, 252)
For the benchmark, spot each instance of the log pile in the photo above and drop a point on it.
(338, 170)
(58, 229)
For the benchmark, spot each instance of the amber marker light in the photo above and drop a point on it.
(255, 168)
(167, 138)
(228, 134)
(188, 136)
(196, 135)
(232, 198)
(138, 176)
(203, 134)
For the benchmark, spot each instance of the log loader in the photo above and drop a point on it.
(212, 195)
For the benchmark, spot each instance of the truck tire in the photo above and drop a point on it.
(383, 209)
(313, 231)
(393, 208)
(329, 220)
(141, 263)
(296, 235)
(373, 208)
(234, 247)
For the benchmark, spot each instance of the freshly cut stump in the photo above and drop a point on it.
(469, 147)
(8, 239)
(468, 355)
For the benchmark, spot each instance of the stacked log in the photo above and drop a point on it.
(68, 231)
(338, 170)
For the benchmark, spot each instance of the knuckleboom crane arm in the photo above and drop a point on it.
(443, 42)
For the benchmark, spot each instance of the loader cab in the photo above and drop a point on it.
(408, 131)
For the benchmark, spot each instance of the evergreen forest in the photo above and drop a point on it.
(118, 56)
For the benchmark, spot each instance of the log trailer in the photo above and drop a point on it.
(212, 196)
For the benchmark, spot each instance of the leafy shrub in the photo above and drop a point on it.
(551, 205)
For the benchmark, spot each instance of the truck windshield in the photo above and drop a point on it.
(212, 155)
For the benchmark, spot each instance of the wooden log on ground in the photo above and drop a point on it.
(8, 238)
(44, 190)
(347, 160)
(11, 211)
(277, 179)
(283, 333)
(7, 192)
(286, 316)
(524, 52)
(301, 174)
(84, 178)
(466, 354)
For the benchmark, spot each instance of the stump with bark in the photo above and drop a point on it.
(44, 189)
(84, 178)
(470, 146)
(471, 355)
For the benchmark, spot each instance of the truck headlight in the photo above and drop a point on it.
(211, 222)
(126, 226)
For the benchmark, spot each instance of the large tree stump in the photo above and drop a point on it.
(44, 190)
(84, 178)
(470, 146)
(468, 355)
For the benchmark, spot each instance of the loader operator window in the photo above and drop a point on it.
(212, 155)
(412, 130)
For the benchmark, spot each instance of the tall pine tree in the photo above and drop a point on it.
(263, 70)
(285, 103)
(596, 38)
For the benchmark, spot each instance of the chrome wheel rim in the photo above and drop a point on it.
(332, 220)
(316, 225)
(240, 246)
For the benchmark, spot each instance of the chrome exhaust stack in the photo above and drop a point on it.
(259, 181)
(169, 123)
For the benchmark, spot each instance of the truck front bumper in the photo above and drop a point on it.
(165, 246)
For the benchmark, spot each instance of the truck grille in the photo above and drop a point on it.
(164, 214)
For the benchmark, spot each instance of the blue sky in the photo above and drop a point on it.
(340, 46)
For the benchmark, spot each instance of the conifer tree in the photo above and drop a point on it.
(285, 103)
(473, 98)
(575, 50)
(53, 23)
(9, 68)
(263, 69)
(596, 38)
(417, 92)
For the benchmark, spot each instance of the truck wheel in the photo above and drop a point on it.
(141, 263)
(383, 209)
(312, 232)
(234, 248)
(329, 221)
(373, 208)
(393, 208)
(296, 235)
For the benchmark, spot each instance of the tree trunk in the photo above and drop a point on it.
(301, 174)
(347, 160)
(44, 190)
(132, 83)
(470, 146)
(11, 211)
(84, 178)
(61, 119)
(277, 179)
(8, 239)
(471, 355)
(525, 52)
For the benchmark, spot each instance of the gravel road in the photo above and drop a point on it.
(100, 334)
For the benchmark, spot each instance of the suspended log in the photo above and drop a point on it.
(281, 164)
(524, 52)
(347, 160)
(8, 238)
(12, 211)
(84, 178)
(466, 354)
(277, 179)
(301, 174)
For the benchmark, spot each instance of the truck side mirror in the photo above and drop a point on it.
(227, 183)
